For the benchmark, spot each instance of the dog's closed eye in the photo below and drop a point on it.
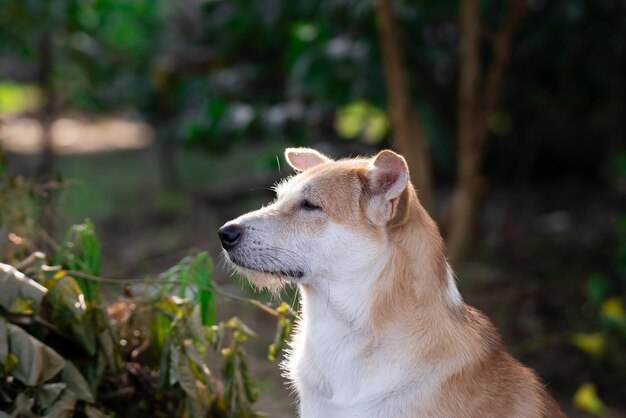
(308, 206)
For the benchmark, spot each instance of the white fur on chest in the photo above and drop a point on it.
(337, 368)
(339, 374)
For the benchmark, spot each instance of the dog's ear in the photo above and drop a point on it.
(302, 159)
(388, 178)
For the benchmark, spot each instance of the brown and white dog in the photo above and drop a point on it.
(383, 329)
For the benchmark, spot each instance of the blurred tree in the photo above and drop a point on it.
(474, 110)
(223, 73)
(408, 131)
(27, 30)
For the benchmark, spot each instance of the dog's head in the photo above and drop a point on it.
(331, 220)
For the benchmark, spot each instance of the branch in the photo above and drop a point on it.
(215, 288)
(408, 132)
(501, 51)
(469, 74)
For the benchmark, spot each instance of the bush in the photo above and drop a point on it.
(66, 352)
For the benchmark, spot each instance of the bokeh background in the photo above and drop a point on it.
(160, 120)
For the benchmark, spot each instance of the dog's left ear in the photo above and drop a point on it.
(301, 159)
(388, 178)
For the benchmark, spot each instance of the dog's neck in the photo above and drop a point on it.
(409, 280)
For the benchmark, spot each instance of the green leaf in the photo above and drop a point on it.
(17, 98)
(199, 273)
(164, 365)
(70, 314)
(81, 251)
(66, 295)
(10, 362)
(159, 328)
(592, 343)
(22, 307)
(36, 362)
(174, 367)
(94, 370)
(196, 391)
(198, 363)
(613, 309)
(24, 405)
(108, 340)
(16, 286)
(196, 327)
(49, 393)
(76, 383)
(360, 118)
(4, 398)
(64, 407)
(4, 342)
(108, 347)
(193, 272)
(586, 399)
(598, 287)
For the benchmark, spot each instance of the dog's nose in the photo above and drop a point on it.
(230, 235)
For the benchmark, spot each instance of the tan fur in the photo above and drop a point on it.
(411, 314)
(411, 296)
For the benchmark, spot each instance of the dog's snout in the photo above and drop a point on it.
(230, 235)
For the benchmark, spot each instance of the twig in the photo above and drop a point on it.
(215, 288)
(30, 260)
(46, 237)
(501, 52)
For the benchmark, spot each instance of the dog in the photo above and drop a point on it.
(384, 331)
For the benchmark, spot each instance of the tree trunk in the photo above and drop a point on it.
(45, 171)
(474, 113)
(463, 206)
(409, 137)
(46, 114)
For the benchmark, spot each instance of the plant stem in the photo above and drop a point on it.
(215, 288)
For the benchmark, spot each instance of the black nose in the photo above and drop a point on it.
(230, 235)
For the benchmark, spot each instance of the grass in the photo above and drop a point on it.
(127, 185)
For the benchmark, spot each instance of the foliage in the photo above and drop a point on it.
(65, 352)
(217, 73)
(37, 380)
(15, 98)
(80, 251)
(606, 344)
(20, 213)
(587, 400)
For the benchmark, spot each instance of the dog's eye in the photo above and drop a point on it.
(306, 205)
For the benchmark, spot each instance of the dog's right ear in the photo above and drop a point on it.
(388, 178)
(302, 159)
